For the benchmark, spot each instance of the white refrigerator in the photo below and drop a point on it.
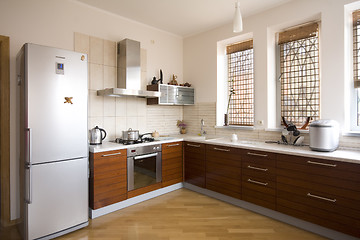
(53, 90)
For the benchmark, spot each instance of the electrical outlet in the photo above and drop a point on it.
(260, 122)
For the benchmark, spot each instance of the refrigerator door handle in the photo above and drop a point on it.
(28, 198)
(28, 155)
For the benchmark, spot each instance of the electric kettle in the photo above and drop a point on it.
(96, 135)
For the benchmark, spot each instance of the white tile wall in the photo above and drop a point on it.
(118, 114)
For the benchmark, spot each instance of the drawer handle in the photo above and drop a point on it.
(222, 149)
(257, 182)
(111, 154)
(257, 154)
(322, 198)
(192, 145)
(173, 145)
(257, 168)
(322, 164)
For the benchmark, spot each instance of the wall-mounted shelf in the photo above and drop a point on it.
(171, 95)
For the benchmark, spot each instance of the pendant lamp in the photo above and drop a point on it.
(237, 24)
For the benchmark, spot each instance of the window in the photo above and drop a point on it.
(240, 107)
(356, 62)
(299, 74)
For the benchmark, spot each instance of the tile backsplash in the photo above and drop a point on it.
(116, 114)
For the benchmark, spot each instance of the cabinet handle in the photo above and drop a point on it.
(322, 164)
(257, 182)
(173, 145)
(257, 168)
(322, 198)
(257, 154)
(111, 154)
(192, 145)
(222, 149)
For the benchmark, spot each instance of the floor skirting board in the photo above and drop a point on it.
(131, 201)
(326, 232)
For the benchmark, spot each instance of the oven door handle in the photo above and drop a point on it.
(145, 156)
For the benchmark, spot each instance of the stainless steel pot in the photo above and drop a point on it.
(324, 135)
(130, 135)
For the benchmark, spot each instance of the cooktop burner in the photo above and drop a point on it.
(129, 142)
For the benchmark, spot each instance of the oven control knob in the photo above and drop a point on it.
(154, 148)
(158, 148)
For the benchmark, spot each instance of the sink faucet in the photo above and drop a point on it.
(202, 131)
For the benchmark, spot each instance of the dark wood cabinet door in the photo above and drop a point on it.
(223, 170)
(321, 191)
(108, 179)
(194, 163)
(172, 163)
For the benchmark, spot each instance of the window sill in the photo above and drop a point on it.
(236, 127)
(351, 134)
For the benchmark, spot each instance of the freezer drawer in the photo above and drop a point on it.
(58, 196)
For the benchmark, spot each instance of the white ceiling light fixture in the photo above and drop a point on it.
(237, 24)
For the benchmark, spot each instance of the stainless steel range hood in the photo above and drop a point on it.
(128, 73)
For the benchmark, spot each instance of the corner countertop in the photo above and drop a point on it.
(342, 154)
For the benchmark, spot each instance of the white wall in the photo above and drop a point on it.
(200, 55)
(53, 23)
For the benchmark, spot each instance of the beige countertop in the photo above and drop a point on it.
(344, 155)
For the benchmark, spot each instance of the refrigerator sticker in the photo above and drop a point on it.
(60, 68)
(68, 100)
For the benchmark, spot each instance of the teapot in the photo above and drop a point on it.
(96, 135)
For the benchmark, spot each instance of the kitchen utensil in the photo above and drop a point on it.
(283, 138)
(130, 135)
(96, 135)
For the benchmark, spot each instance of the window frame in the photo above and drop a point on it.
(293, 34)
(244, 83)
(355, 92)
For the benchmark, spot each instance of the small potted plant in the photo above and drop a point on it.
(182, 126)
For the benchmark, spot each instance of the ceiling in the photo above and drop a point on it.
(182, 17)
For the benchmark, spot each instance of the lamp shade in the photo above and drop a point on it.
(237, 24)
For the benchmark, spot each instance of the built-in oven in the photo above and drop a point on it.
(144, 166)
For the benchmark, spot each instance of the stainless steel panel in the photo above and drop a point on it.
(59, 197)
(130, 173)
(58, 128)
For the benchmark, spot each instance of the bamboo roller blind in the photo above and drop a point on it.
(356, 48)
(241, 83)
(300, 79)
(309, 30)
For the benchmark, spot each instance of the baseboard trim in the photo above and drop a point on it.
(134, 200)
(314, 228)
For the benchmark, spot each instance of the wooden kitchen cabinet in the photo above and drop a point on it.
(108, 179)
(194, 163)
(223, 170)
(320, 191)
(259, 178)
(172, 163)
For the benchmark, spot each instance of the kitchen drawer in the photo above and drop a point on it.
(259, 198)
(318, 216)
(259, 171)
(226, 189)
(320, 167)
(174, 147)
(260, 158)
(259, 185)
(322, 200)
(321, 189)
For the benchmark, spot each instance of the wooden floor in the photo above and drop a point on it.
(188, 215)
